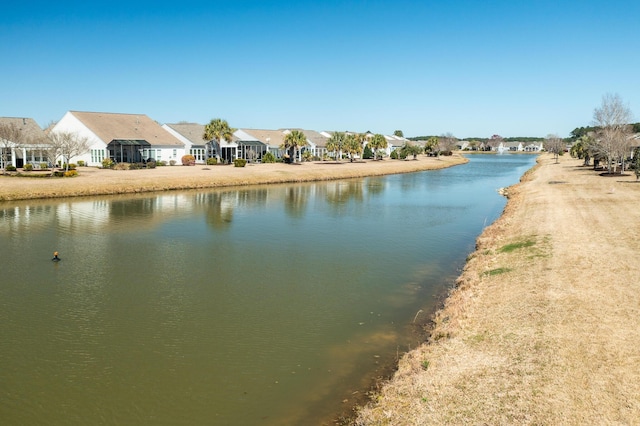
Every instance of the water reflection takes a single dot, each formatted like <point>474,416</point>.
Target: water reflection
<point>260,305</point>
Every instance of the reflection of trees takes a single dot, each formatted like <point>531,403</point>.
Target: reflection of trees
<point>340,192</point>
<point>133,207</point>
<point>296,200</point>
<point>253,197</point>
<point>375,186</point>
<point>219,208</point>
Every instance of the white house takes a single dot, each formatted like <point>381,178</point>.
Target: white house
<point>127,138</point>
<point>30,148</point>
<point>191,135</point>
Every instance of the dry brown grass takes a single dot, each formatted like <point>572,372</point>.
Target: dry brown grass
<point>545,331</point>
<point>93,181</point>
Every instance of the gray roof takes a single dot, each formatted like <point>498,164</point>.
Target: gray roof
<point>29,129</point>
<point>191,131</point>
<point>194,132</point>
<point>114,126</point>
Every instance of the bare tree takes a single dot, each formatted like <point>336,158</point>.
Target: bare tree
<point>447,143</point>
<point>66,145</point>
<point>612,120</point>
<point>494,142</point>
<point>555,145</point>
<point>10,137</point>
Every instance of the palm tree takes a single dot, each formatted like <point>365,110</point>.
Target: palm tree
<point>352,145</point>
<point>582,149</point>
<point>216,131</point>
<point>377,142</point>
<point>336,143</point>
<point>431,146</point>
<point>293,141</point>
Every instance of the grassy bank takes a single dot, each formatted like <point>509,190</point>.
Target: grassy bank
<point>542,327</point>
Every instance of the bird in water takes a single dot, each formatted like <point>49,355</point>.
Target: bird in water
<point>55,257</point>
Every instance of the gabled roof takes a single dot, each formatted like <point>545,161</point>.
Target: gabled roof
<point>191,131</point>
<point>31,132</point>
<point>114,126</point>
<point>268,137</point>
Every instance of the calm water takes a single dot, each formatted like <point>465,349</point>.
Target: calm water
<point>266,305</point>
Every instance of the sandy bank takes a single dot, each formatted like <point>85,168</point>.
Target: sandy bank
<point>93,181</point>
<point>543,327</point>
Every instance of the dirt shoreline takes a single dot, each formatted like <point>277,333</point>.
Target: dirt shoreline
<point>542,327</point>
<point>94,181</point>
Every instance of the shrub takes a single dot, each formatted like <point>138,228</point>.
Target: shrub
<point>367,154</point>
<point>171,162</point>
<point>10,168</point>
<point>394,155</point>
<point>107,163</point>
<point>58,173</point>
<point>81,163</point>
<point>188,160</point>
<point>268,157</point>
<point>136,166</point>
<point>44,166</point>
<point>212,161</point>
<point>164,163</point>
<point>121,166</point>
<point>70,173</point>
<point>151,164</point>
<point>239,162</point>
<point>28,167</point>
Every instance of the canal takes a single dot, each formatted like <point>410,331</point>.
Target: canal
<point>260,305</point>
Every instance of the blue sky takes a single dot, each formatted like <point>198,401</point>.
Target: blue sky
<point>471,68</point>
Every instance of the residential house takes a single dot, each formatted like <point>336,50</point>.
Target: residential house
<point>127,138</point>
<point>191,135</point>
<point>510,146</point>
<point>31,148</point>
<point>316,143</point>
<point>272,139</point>
<point>534,147</point>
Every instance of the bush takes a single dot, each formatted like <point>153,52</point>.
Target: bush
<point>151,164</point>
<point>268,157</point>
<point>121,166</point>
<point>188,160</point>
<point>107,163</point>
<point>239,162</point>
<point>44,166</point>
<point>58,173</point>
<point>10,168</point>
<point>28,167</point>
<point>212,161</point>
<point>81,163</point>
<point>70,173</point>
<point>367,154</point>
<point>171,163</point>
<point>164,163</point>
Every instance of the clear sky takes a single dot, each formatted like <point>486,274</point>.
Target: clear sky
<point>471,68</point>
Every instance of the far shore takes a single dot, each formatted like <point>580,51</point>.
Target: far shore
<point>96,181</point>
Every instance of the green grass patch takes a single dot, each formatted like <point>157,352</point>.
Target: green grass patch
<point>497,271</point>
<point>515,246</point>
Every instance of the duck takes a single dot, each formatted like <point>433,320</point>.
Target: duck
<point>55,257</point>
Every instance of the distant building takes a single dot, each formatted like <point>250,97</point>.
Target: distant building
<point>29,149</point>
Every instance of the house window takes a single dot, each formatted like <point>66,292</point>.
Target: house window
<point>198,153</point>
<point>97,155</point>
<point>175,153</point>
